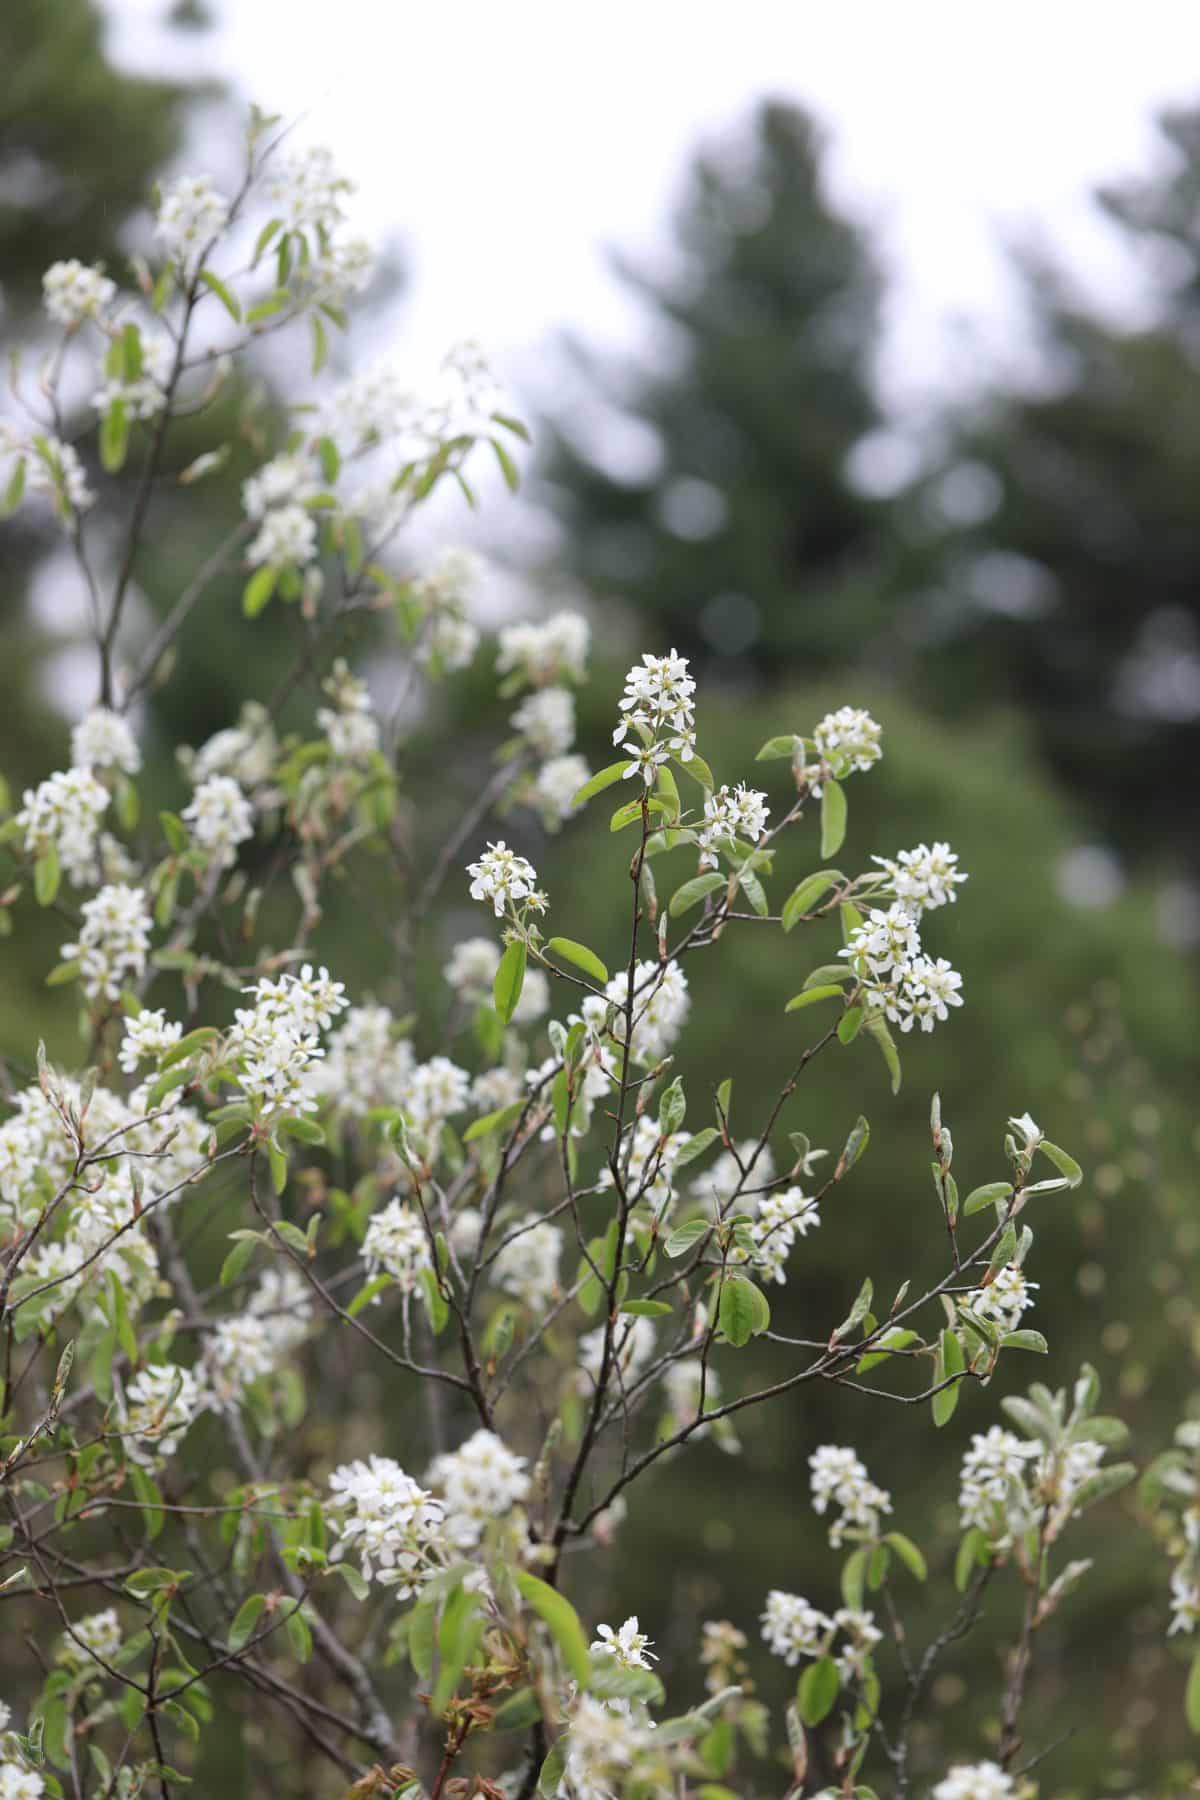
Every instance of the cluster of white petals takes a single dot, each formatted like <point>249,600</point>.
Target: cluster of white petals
<point>846,739</point>
<point>545,720</point>
<point>633,1346</point>
<point>629,1645</point>
<point>397,1244</point>
<point>503,878</point>
<point>48,467</point>
<point>366,1063</point>
<point>657,708</point>
<point>289,479</point>
<point>779,1219</point>
<point>147,1035</point>
<point>839,1478</point>
<point>792,1628</point>
<point>740,813</point>
<point>471,971</point>
<point>96,1636</point>
<point>526,1265</point>
<point>391,1524</point>
<point>660,1008</point>
<point>479,1481</point>
<point>349,724</point>
<point>1009,1486</point>
<point>191,213</point>
<point>446,590</point>
<point>143,395</point>
<point>1005,1299</point>
<point>221,818</point>
<point>276,1040</point>
<point>555,786</point>
<point>975,1781</point>
<point>554,651</point>
<point>72,292</point>
<point>923,878</point>
<point>287,538</point>
<point>304,187</point>
<point>113,942</point>
<point>102,740</point>
<point>899,980</point>
<point>63,814</point>
<point>158,1406</point>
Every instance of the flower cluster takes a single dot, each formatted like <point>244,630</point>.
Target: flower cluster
<point>113,942</point>
<point>481,1480</point>
<point>839,1478</point>
<point>103,740</point>
<point>287,480</point>
<point>502,878</point>
<point>779,1220</point>
<point>660,1008</point>
<point>844,740</point>
<point>349,724</point>
<point>276,1041</point>
<point>63,814</point>
<point>554,651</point>
<point>471,971</point>
<point>391,1524</point>
<point>73,292</point>
<point>897,977</point>
<point>792,1628</point>
<point>191,213</point>
<point>221,818</point>
<point>147,1034</point>
<point>526,1264</point>
<point>446,591</point>
<point>142,395</point>
<point>923,878</point>
<point>545,720</point>
<point>728,816</point>
<point>1010,1486</point>
<point>1005,1299</point>
<point>366,1063</point>
<point>975,1781</point>
<point>96,1636</point>
<point>397,1244</point>
<point>657,706</point>
<point>305,188</point>
<point>287,539</point>
<point>159,1405</point>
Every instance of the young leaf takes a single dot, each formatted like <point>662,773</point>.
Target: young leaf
<point>1066,1165</point>
<point>580,955</point>
<point>810,997</point>
<point>216,286</point>
<point>740,1313</point>
<point>818,1690</point>
<point>833,817</point>
<point>775,748</point>
<point>692,892</point>
<point>563,1621</point>
<point>803,898</point>
<point>46,876</point>
<point>684,1236</point>
<point>598,783</point>
<point>949,1361</point>
<point>510,979</point>
<point>245,1620</point>
<point>983,1196</point>
<point>908,1553</point>
<point>850,1024</point>
<point>258,591</point>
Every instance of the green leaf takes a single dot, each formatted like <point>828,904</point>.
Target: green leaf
<point>908,1553</point>
<point>833,817</point>
<point>899,1337</point>
<point>46,876</point>
<point>811,996</point>
<point>818,1690</point>
<point>973,1553</point>
<point>258,591</point>
<point>684,1236</point>
<point>753,889</point>
<point>858,1312</point>
<point>246,1619</point>
<point>777,747</point>
<point>237,1260</point>
<point>518,1711</point>
<point>580,955</point>
<point>610,1680</point>
<point>672,1108</point>
<point>216,286</point>
<point>878,1032</point>
<point>854,1578</point>
<point>692,892</point>
<point>299,1635</point>
<point>1102,1484</point>
<point>14,490</point>
<point>739,1313</point>
<point>114,437</point>
<point>646,1309</point>
<point>508,467</point>
<point>1025,1340</point>
<point>435,1301</point>
<point>856,1143</point>
<point>62,973</point>
<point>949,1361</point>
<point>1066,1165</point>
<point>1191,1704</point>
<point>493,1121</point>
<point>803,898</point>
<point>696,1145</point>
<point>597,783</point>
<point>698,769</point>
<point>320,342</point>
<point>850,1024</point>
<point>153,1516</point>
<point>458,1634</point>
<point>558,1613</point>
<point>983,1196</point>
<point>277,1160</point>
<point>510,979</point>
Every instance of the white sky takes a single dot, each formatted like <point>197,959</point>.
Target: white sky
<point>508,146</point>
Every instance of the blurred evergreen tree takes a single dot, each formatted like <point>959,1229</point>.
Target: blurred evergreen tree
<point>749,543</point>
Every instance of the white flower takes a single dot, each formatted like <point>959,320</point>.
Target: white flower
<point>113,942</point>
<point>350,726</point>
<point>239,1351</point>
<point>481,1480</point>
<point>1185,1600</point>
<point>554,789</point>
<point>780,1217</point>
<point>527,1264</point>
<point>99,1634</point>
<point>923,878</point>
<point>992,1478</point>
<point>190,215</point>
<point>1004,1299</point>
<point>975,1781</point>
<point>283,1303</point>
<point>629,1646</point>
<point>660,1007</point>
<point>287,537</point>
<point>437,1091</point>
<point>366,1065</point>
<point>849,735</point>
<point>73,292</point>
<point>546,720</point>
<point>276,1041</point>
<point>20,1784</point>
<point>897,977</point>
<point>839,1477</point>
<point>288,479</point>
<point>142,396</point>
<point>64,814</point>
<point>550,652</point>
<point>246,751</point>
<point>221,818</point>
<point>147,1034</point>
<point>682,1380</point>
<point>103,740</point>
<point>304,188</point>
<point>396,1244</point>
<point>452,580</point>
<point>602,1747</point>
<point>392,1524</point>
<point>657,706</point>
<point>159,1405</point>
<point>448,643</point>
<point>864,1634</point>
<point>742,813</point>
<point>725,1178</point>
<point>792,1628</point>
<point>502,877</point>
<point>633,1344</point>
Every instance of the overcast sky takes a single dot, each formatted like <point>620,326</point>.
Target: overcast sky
<point>508,146</point>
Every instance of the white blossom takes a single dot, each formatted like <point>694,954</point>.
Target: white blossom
<point>365,1065</point>
<point>396,1244</point>
<point>304,187</point>
<point>191,213</point>
<point>1004,1299</point>
<point>1185,1600</point>
<point>660,1007</point>
<point>741,813</point>
<point>73,292</point>
<point>103,740</point>
<point>350,725</point>
<point>289,479</point>
<point>98,1635</point>
<point>113,941</point>
<point>286,538</point>
<point>481,1480</point>
<point>437,1090</point>
<point>158,1406</point>
<point>557,782</point>
<point>553,651</point>
<point>147,1034</point>
<point>792,1628</point>
<point>853,1657</point>
<point>526,1265</point>
<point>633,1345</point>
<point>628,1645</point>
<point>657,707</point>
<point>501,877</point>
<point>238,1351</point>
<point>897,977</point>
<point>221,818</point>
<point>546,720</point>
<point>838,1477</point>
<point>394,1526</point>
<point>975,1781</point>
<point>849,736</point>
<point>143,395</point>
<point>63,813</point>
<point>923,878</point>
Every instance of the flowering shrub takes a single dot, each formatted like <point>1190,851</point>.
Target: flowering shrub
<point>554,1251</point>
